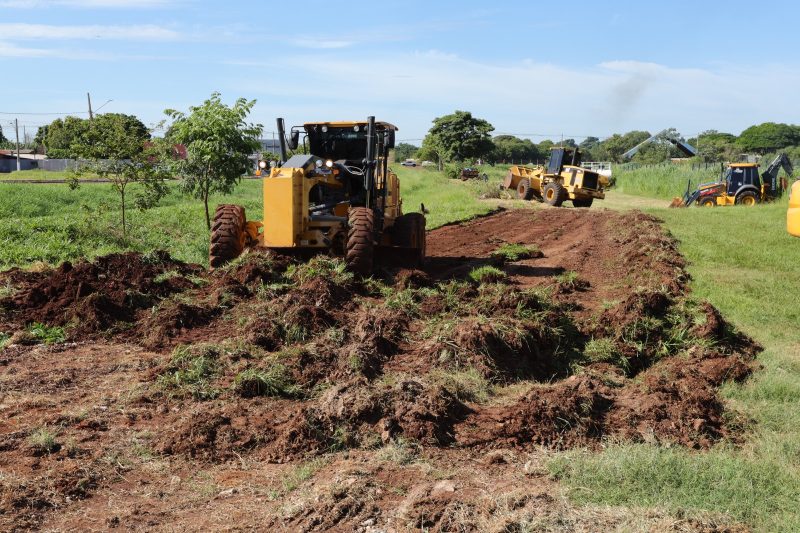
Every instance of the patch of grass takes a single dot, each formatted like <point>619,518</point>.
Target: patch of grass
<point>273,381</point>
<point>6,290</point>
<point>468,385</point>
<point>665,181</point>
<point>320,266</point>
<point>4,338</point>
<point>166,276</point>
<point>400,451</point>
<point>509,252</point>
<point>191,371</point>
<point>487,274</point>
<point>301,473</point>
<point>46,334</point>
<point>404,301</point>
<point>568,278</point>
<point>605,351</point>
<point>43,440</point>
<point>758,491</point>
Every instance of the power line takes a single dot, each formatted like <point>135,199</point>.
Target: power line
<point>66,113</point>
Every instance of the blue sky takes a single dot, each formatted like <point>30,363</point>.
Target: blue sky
<point>540,69</point>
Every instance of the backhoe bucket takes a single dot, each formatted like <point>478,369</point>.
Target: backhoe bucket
<point>677,202</point>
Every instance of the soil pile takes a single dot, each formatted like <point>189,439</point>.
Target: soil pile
<point>272,360</point>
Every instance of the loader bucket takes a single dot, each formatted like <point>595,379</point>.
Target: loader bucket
<point>677,202</point>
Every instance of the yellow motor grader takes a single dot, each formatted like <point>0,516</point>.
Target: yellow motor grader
<point>562,179</point>
<point>337,196</point>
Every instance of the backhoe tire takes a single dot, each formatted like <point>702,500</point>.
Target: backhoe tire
<point>409,232</point>
<point>585,202</point>
<point>708,202</point>
<point>227,235</point>
<point>748,198</point>
<point>524,190</point>
<point>360,247</point>
<point>553,194</point>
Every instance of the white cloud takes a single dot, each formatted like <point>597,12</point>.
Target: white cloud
<point>10,50</point>
<point>529,97</point>
<point>322,44</point>
<point>147,32</point>
<point>128,4</point>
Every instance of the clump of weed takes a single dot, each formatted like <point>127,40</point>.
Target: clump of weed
<point>166,276</point>
<point>191,370</point>
<point>320,266</point>
<point>605,351</point>
<point>400,451</point>
<point>510,252</point>
<point>468,385</point>
<point>403,301</point>
<point>273,381</point>
<point>43,440</point>
<point>46,334</point>
<point>301,473</point>
<point>569,281</point>
<point>487,274</point>
<point>4,338</point>
<point>6,290</point>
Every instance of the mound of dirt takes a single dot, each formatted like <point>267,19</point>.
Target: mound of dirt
<point>94,296</point>
<point>275,360</point>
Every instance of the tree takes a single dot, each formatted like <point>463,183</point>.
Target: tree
<point>107,136</point>
<point>769,136</point>
<point>458,137</point>
<point>218,142</point>
<point>617,144</point>
<point>404,151</point>
<point>2,137</point>
<point>39,141</point>
<point>511,148</point>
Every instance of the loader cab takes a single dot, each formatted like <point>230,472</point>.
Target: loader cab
<point>561,156</point>
<point>741,175</point>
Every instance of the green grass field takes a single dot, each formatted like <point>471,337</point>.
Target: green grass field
<point>741,260</point>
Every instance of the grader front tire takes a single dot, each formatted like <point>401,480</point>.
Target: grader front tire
<point>360,248</point>
<point>227,235</point>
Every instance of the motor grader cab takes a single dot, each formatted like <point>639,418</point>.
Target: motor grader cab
<point>337,195</point>
<point>562,179</point>
<point>741,184</point>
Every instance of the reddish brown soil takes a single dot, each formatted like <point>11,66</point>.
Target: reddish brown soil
<point>382,398</point>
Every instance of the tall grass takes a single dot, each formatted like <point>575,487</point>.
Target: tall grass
<point>665,181</point>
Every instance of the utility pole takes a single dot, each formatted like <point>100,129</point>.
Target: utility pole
<point>16,129</point>
<point>89,99</point>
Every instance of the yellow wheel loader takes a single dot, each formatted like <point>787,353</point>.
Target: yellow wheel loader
<point>338,196</point>
<point>741,184</point>
<point>562,179</point>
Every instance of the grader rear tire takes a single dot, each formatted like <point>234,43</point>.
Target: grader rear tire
<point>227,235</point>
<point>409,232</point>
<point>360,247</point>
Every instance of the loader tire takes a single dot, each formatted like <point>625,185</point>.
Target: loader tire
<point>524,190</point>
<point>409,232</point>
<point>227,235</point>
<point>553,194</point>
<point>708,202</point>
<point>749,198</point>
<point>360,246</point>
<point>586,202</point>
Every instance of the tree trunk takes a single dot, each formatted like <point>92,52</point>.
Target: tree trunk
<point>124,228</point>
<point>208,216</point>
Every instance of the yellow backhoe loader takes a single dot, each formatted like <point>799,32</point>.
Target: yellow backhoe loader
<point>339,196</point>
<point>741,184</point>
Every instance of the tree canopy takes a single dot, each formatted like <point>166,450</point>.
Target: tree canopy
<point>769,136</point>
<point>458,137</point>
<point>511,148</point>
<point>404,151</point>
<point>107,136</point>
<point>218,141</point>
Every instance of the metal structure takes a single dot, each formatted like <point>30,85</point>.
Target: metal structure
<point>666,135</point>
